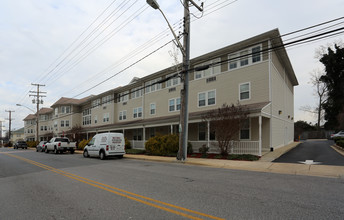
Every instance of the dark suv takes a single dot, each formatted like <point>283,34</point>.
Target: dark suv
<point>20,144</point>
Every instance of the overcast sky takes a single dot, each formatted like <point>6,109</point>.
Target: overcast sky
<point>49,42</point>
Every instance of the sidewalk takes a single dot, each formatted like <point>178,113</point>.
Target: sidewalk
<point>263,165</point>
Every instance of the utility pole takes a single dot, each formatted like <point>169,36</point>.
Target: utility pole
<point>38,100</point>
<point>184,93</point>
<point>9,123</point>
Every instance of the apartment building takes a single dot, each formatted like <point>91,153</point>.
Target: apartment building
<point>247,72</point>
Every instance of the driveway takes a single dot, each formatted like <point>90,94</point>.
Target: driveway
<point>313,152</point>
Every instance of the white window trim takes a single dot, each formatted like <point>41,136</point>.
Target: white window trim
<point>150,108</point>
<point>249,139</point>
<point>124,96</point>
<point>172,80</point>
<point>157,86</point>
<point>137,110</point>
<point>249,57</point>
<point>211,68</point>
<point>206,98</point>
<point>106,117</point>
<point>137,89</point>
<point>124,112</point>
<point>175,104</point>
<point>249,91</point>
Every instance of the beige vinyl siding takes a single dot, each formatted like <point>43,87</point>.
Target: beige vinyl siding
<point>227,86</point>
<point>161,99</point>
<point>129,107</point>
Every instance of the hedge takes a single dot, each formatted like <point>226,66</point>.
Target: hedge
<point>340,143</point>
<point>164,145</point>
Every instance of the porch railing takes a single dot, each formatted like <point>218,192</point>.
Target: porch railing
<point>240,147</point>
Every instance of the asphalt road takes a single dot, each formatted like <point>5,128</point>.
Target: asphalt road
<point>48,186</point>
<point>318,151</point>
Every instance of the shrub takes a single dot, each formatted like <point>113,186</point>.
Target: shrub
<point>248,157</point>
<point>127,144</point>
<point>83,143</point>
<point>32,144</point>
<point>340,143</point>
<point>160,145</point>
<point>336,139</point>
<point>135,151</point>
<point>204,150</point>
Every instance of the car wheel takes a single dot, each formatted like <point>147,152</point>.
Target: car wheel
<point>120,156</point>
<point>36,149</point>
<point>102,155</point>
<point>85,153</point>
<point>55,151</point>
<point>72,151</point>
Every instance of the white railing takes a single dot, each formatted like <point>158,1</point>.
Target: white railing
<point>239,147</point>
<point>137,144</point>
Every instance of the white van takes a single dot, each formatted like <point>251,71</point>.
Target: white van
<point>105,145</point>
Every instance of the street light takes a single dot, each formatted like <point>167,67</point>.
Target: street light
<point>36,118</point>
<point>26,107</point>
<point>154,4</point>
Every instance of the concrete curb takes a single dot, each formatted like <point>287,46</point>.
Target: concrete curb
<point>257,166</point>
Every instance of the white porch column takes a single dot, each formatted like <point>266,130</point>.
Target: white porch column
<point>144,134</point>
<point>171,128</point>
<point>208,133</point>
<point>260,135</point>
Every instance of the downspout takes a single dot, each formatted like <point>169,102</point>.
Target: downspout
<point>270,94</point>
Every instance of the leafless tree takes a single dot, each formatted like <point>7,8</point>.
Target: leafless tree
<point>226,123</point>
<point>320,92</point>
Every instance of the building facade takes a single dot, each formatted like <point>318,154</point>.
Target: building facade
<point>249,72</point>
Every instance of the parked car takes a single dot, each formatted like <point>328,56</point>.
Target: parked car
<point>20,144</point>
<point>40,146</point>
<point>339,134</point>
<point>105,145</point>
<point>59,145</point>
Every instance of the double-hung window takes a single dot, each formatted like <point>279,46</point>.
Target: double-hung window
<point>233,62</point>
<point>123,96</point>
<point>137,112</point>
<point>244,58</point>
<point>174,105</point>
<point>244,91</point>
<point>152,108</point>
<point>206,98</point>
<point>62,123</point>
<point>256,54</point>
<point>106,117</point>
<point>172,82</point>
<point>136,93</point>
<point>214,68</point>
<point>122,115</point>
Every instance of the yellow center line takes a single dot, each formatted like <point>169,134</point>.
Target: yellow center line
<point>111,189</point>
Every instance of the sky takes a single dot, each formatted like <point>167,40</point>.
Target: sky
<point>70,46</point>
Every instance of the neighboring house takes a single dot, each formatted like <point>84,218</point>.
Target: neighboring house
<point>44,125</point>
<point>263,81</point>
<point>17,135</point>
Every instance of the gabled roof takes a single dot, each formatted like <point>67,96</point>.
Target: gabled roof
<point>43,111</point>
<point>29,117</point>
<point>18,131</point>
<point>71,101</point>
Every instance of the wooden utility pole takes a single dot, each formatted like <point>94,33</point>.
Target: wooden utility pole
<point>38,100</point>
<point>10,119</point>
